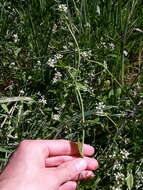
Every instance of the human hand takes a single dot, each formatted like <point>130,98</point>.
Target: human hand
<point>47,165</point>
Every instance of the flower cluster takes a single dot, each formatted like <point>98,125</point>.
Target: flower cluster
<point>57,77</point>
<point>58,109</point>
<point>53,61</point>
<point>15,36</point>
<point>63,8</point>
<point>100,107</point>
<point>86,54</point>
<point>42,99</point>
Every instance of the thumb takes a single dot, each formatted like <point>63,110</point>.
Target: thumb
<point>70,170</point>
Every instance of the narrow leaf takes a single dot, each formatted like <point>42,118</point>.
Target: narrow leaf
<point>130,181</point>
<point>4,106</point>
<point>4,150</point>
<point>80,144</point>
<point>15,99</point>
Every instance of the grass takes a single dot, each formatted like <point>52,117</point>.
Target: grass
<point>73,66</point>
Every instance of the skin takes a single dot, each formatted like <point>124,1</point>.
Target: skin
<point>47,165</point>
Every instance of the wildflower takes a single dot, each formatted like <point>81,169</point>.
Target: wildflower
<point>63,106</point>
<point>29,77</point>
<point>104,44</point>
<point>58,56</point>
<point>113,155</point>
<point>15,38</point>
<point>86,54</point>
<point>21,92</point>
<point>87,25</point>
<point>100,106</point>
<point>51,62</point>
<point>56,108</point>
<point>98,9</point>
<point>65,47</point>
<point>38,63</point>
<point>39,93</point>
<point>13,64</point>
<point>124,154</point>
<point>70,44</point>
<point>119,176</point>
<point>117,166</point>
<point>63,8</point>
<point>56,117</point>
<point>125,53</point>
<point>54,28</point>
<point>126,140</point>
<point>57,77</point>
<point>43,100</point>
<point>112,46</point>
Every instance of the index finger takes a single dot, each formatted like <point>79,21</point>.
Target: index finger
<point>65,147</point>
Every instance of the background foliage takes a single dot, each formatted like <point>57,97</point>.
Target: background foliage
<point>80,64</point>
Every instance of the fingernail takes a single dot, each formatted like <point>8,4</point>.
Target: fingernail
<point>80,164</point>
<point>89,174</point>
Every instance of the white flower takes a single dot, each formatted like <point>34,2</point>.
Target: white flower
<point>104,44</point>
<point>119,176</point>
<point>43,100</point>
<point>57,77</point>
<point>86,54</point>
<point>39,93</point>
<point>56,117</point>
<point>13,64</point>
<point>117,166</point>
<point>63,7</point>
<point>56,108</point>
<point>87,25</point>
<point>112,46</point>
<point>51,62</point>
<point>21,92</point>
<point>54,28</point>
<point>98,9</point>
<point>70,44</point>
<point>124,154</point>
<point>113,155</point>
<point>125,53</point>
<point>15,38</point>
<point>63,106</point>
<point>65,47</point>
<point>100,106</point>
<point>38,63</point>
<point>58,56</point>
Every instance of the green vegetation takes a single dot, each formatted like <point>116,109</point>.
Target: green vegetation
<point>68,66</point>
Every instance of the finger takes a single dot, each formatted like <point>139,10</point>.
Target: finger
<point>84,175</point>
<point>58,160</point>
<point>69,170</point>
<point>92,163</point>
<point>59,147</point>
<point>65,147</point>
<point>70,185</point>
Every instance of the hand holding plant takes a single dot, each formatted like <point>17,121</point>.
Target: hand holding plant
<point>47,165</point>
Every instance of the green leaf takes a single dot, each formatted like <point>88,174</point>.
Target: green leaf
<point>118,91</point>
<point>4,150</point>
<point>111,93</point>
<point>16,51</point>
<point>81,86</point>
<point>15,99</point>
<point>130,181</point>
<point>4,106</point>
<point>80,145</point>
